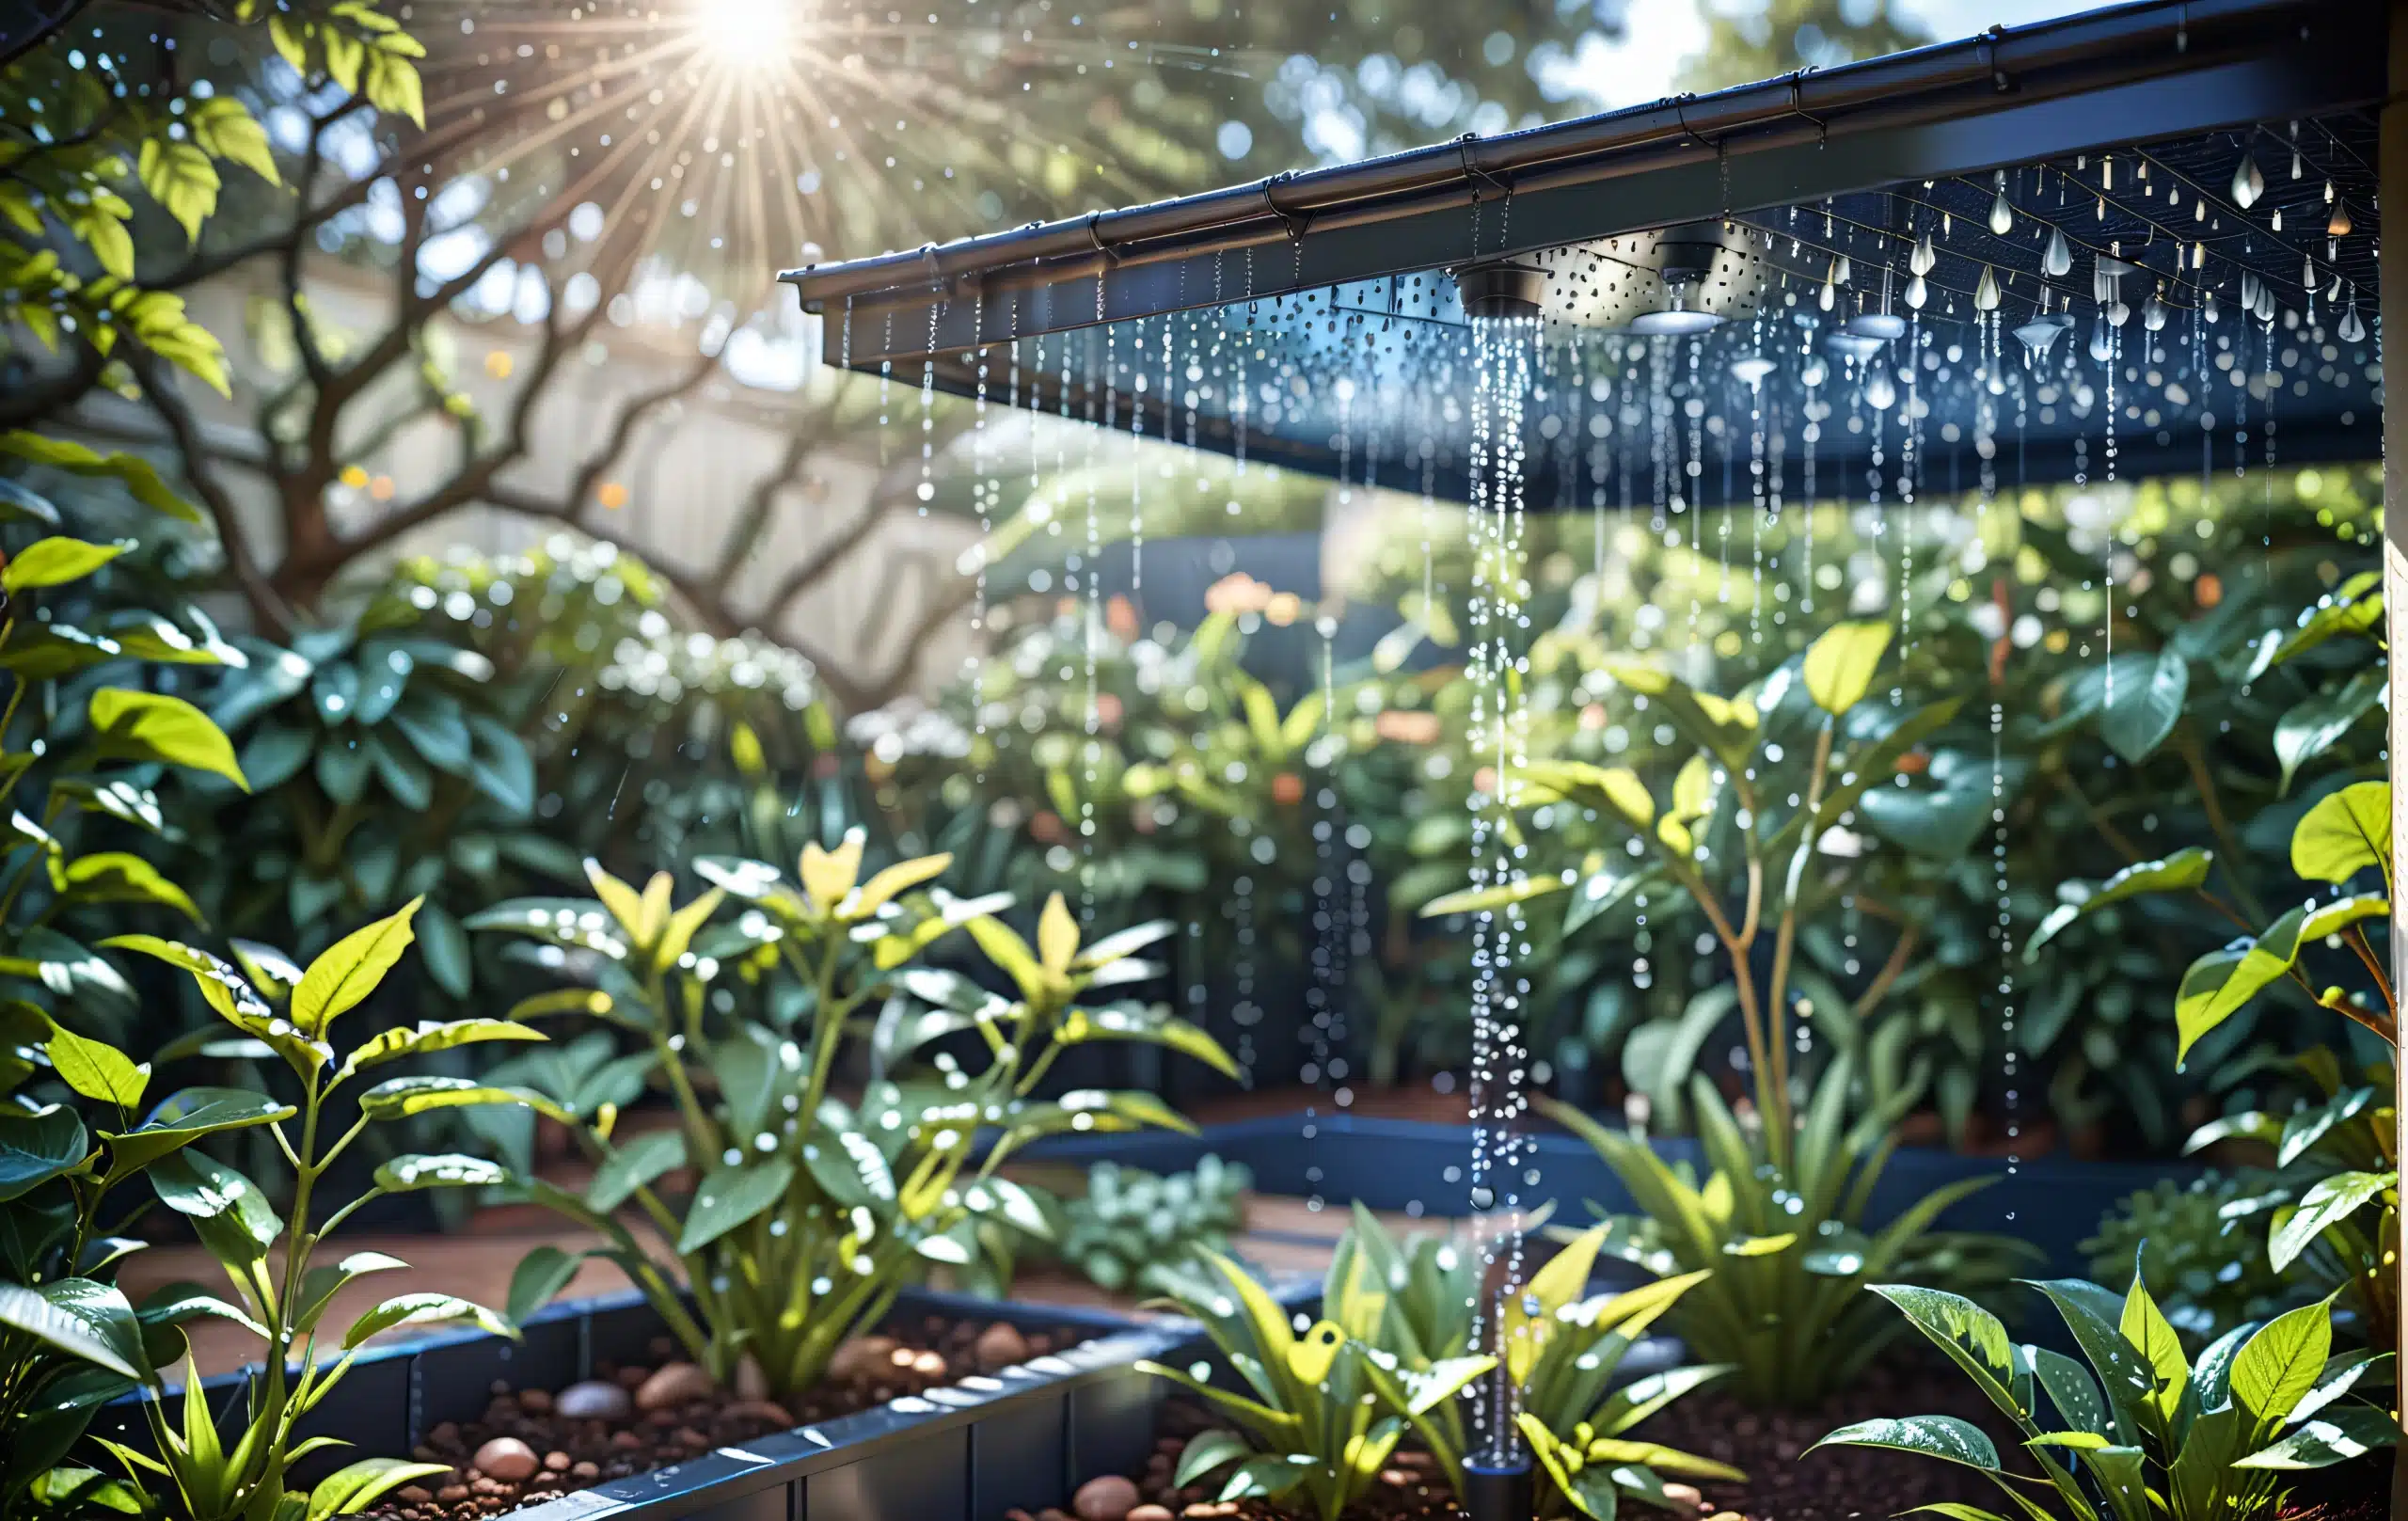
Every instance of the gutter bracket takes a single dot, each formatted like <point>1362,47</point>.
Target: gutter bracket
<point>1296,223</point>
<point>1476,177</point>
<point>1105,250</point>
<point>1986,48</point>
<point>1798,108</point>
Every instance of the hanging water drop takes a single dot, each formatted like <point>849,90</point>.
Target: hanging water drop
<point>1880,392</point>
<point>1924,258</point>
<point>1985,294</point>
<point>1842,271</point>
<point>2153,313</point>
<point>2352,330</point>
<point>2248,184</point>
<point>2102,342</point>
<point>2339,226</point>
<point>2278,219</point>
<point>1917,292</point>
<point>2040,335</point>
<point>2056,261</point>
<point>2002,214</point>
<point>2208,309</point>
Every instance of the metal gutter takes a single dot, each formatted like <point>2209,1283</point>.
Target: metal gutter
<point>2092,52</point>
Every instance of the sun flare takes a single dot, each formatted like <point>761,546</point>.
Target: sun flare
<point>752,34</point>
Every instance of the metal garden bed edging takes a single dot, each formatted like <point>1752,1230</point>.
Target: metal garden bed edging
<point>1026,1436</point>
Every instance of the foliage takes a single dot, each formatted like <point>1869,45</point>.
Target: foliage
<point>2155,1434</point>
<point>1132,1229</point>
<point>2200,1257</point>
<point>1327,1406</point>
<point>281,1294</point>
<point>1784,1237</point>
<point>808,1213</point>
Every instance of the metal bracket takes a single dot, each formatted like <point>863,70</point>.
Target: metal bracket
<point>1110,254</point>
<point>1297,223</point>
<point>1798,108</point>
<point>1476,176</point>
<point>1985,49</point>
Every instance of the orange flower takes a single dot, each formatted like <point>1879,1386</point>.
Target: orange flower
<point>1406,726</point>
<point>1120,616</point>
<point>1288,788</point>
<point>1484,780</point>
<point>1046,826</point>
<point>2209,589</point>
<point>1236,593</point>
<point>1914,763</point>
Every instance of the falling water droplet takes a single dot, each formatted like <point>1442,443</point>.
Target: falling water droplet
<point>2056,261</point>
<point>2153,313</point>
<point>1842,271</point>
<point>1924,258</point>
<point>2208,309</point>
<point>2102,342</point>
<point>1985,294</point>
<point>1880,392</point>
<point>1917,292</point>
<point>2248,183</point>
<point>2002,215</point>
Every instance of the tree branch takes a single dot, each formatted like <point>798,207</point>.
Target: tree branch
<point>159,388</point>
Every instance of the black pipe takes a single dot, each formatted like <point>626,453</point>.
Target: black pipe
<point>2114,45</point>
<point>1497,1491</point>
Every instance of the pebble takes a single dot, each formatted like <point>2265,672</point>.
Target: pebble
<point>452,1494</point>
<point>594,1400</point>
<point>588,1470</point>
<point>556,1462</point>
<point>750,1382</point>
<point>535,1401</point>
<point>1000,1346</point>
<point>1108,1499</point>
<point>931,1365</point>
<point>768,1410</point>
<point>506,1458</point>
<point>675,1385</point>
<point>862,1357</point>
<point>1688,1495</point>
<point>1149,1512</point>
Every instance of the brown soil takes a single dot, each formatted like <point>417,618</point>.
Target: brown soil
<point>575,1455</point>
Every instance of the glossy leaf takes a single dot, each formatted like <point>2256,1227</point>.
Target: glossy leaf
<point>152,726</point>
<point>2345,833</point>
<point>83,1319</point>
<point>38,1146</point>
<point>2333,1198</point>
<point>350,969</point>
<point>1946,1438</point>
<point>420,1309</point>
<point>400,1097</point>
<point>410,1173</point>
<point>56,561</point>
<point>728,1196</point>
<point>1840,663</point>
<point>97,1070</point>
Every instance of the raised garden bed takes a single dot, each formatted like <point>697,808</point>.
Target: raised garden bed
<point>1024,1436</point>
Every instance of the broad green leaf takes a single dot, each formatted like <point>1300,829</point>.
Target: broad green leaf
<point>350,969</point>
<point>2344,834</point>
<point>56,561</point>
<point>408,1174</point>
<point>1840,664</point>
<point>2182,871</point>
<point>83,1319</point>
<point>185,1117</point>
<point>1600,893</point>
<point>152,726</point>
<point>2314,725</point>
<point>2340,1435</point>
<point>1932,1436</point>
<point>355,1488</point>
<point>232,1216</point>
<point>121,877</point>
<point>638,1161</point>
<point>138,475</point>
<point>38,1146</point>
<point>432,1035</point>
<point>1211,1450</point>
<point>398,1098</point>
<point>1483,899</point>
<point>180,179</point>
<point>97,1070</point>
<point>1152,1024</point>
<point>2333,1198</point>
<point>2221,983</point>
<point>728,1196</point>
<point>2135,718</point>
<point>420,1308</point>
<point>541,1274</point>
<point>2277,1367</point>
<point>225,128</point>
<point>2149,1335</point>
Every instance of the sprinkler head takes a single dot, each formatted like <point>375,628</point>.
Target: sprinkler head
<point>1504,288</point>
<point>1498,1491</point>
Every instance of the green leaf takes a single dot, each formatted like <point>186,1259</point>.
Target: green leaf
<point>355,1488</point>
<point>1840,664</point>
<point>2277,1367</point>
<point>2135,720</point>
<point>1932,1436</point>
<point>2344,834</point>
<point>2316,725</point>
<point>138,475</point>
<point>152,726</point>
<point>38,1146</point>
<point>2221,983</point>
<point>1483,899</point>
<point>1211,1450</point>
<point>80,1318</point>
<point>234,1219</point>
<point>728,1196</point>
<point>419,1310</point>
<point>411,1173</point>
<point>20,503</point>
<point>1602,891</point>
<point>638,1161</point>
<point>225,128</point>
<point>185,1117</point>
<point>2182,871</point>
<point>541,1274</point>
<point>2338,1436</point>
<point>432,1035</point>
<point>350,970</point>
<point>1152,1024</point>
<point>397,1097</point>
<point>97,1070</point>
<point>121,877</point>
<point>2334,1200</point>
<point>445,945</point>
<point>180,179</point>
<point>56,561</point>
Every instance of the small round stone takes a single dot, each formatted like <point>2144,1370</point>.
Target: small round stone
<point>1150,1513</point>
<point>675,1385</point>
<point>1000,1346</point>
<point>594,1400</point>
<point>508,1459</point>
<point>1108,1499</point>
